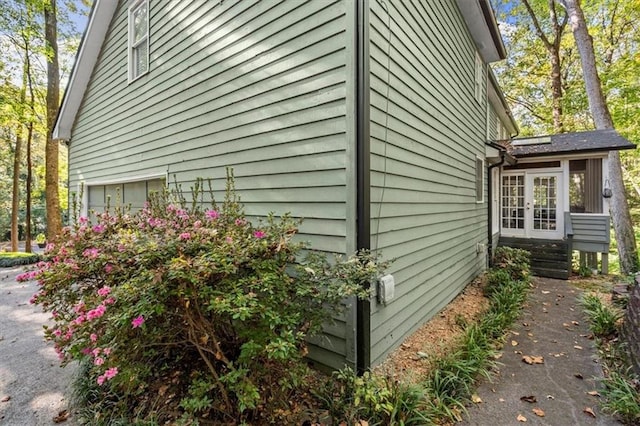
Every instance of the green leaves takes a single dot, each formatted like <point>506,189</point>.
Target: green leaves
<point>204,292</point>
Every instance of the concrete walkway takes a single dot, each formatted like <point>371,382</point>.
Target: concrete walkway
<point>555,389</point>
<point>33,387</point>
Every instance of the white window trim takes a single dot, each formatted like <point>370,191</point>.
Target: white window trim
<point>130,45</point>
<point>478,77</point>
<point>84,185</point>
<point>482,178</point>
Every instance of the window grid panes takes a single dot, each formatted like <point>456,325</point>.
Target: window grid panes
<point>545,199</point>
<point>139,39</point>
<point>513,202</point>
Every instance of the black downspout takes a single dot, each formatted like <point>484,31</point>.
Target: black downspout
<point>363,187</point>
<point>490,206</point>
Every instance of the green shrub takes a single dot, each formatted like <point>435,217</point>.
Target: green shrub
<point>603,319</point>
<point>622,397</point>
<point>515,261</point>
<point>376,399</point>
<point>11,259</point>
<point>495,279</point>
<point>197,303</point>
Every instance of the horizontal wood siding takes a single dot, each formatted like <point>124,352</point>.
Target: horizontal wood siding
<point>591,232</point>
<point>427,129</point>
<point>258,86</point>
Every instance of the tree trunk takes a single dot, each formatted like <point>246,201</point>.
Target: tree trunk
<point>17,161</point>
<point>27,218</point>
<point>52,196</point>
<point>620,215</point>
<point>15,198</point>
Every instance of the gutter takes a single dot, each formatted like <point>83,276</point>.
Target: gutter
<point>503,160</point>
<point>363,185</point>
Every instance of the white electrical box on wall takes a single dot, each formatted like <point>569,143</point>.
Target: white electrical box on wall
<point>386,289</point>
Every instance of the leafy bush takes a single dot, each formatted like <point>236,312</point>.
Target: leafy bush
<point>603,319</point>
<point>374,399</point>
<point>11,259</point>
<point>496,279</point>
<point>195,304</point>
<point>515,261</point>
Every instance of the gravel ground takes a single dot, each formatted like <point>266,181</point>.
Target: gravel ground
<point>33,387</point>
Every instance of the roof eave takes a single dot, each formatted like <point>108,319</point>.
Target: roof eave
<point>86,58</point>
<point>483,27</point>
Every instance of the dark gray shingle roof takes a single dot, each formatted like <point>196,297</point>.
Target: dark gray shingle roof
<point>568,143</point>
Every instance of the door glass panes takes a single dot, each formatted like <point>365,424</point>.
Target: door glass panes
<point>545,199</point>
<point>513,202</point>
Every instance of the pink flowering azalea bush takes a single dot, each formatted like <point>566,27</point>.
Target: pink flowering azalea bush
<point>194,305</point>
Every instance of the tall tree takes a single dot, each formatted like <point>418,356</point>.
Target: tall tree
<point>54,222</point>
<point>552,45</point>
<point>622,223</point>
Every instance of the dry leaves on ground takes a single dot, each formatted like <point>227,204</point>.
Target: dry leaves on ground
<point>531,359</point>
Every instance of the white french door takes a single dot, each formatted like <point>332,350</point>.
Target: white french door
<point>531,205</point>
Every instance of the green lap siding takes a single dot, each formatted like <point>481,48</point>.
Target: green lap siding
<point>263,87</point>
<point>427,128</point>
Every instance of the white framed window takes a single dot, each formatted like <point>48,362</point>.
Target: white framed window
<point>138,39</point>
<point>479,180</point>
<point>479,78</point>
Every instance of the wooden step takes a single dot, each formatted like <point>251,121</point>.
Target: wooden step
<point>549,258</point>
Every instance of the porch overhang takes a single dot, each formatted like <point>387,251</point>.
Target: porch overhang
<point>569,143</point>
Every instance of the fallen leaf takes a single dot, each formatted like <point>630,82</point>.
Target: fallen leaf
<point>61,417</point>
<point>530,334</point>
<point>521,418</point>
<point>578,347</point>
<point>545,292</point>
<point>594,393</point>
<point>476,399</point>
<point>566,324</point>
<point>551,397</point>
<point>589,411</point>
<point>501,399</point>
<point>525,324</point>
<point>538,412</point>
<point>497,356</point>
<point>162,390</point>
<point>575,323</point>
<point>532,359</point>
<point>363,423</point>
<point>515,333</point>
<point>422,355</point>
<point>514,343</point>
<point>578,376</point>
<point>5,398</point>
<point>531,399</point>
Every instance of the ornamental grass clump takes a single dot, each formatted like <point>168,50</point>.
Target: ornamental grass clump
<point>185,312</point>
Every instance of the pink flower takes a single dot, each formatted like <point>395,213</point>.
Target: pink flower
<point>93,337</point>
<point>138,321</point>
<point>83,219</point>
<point>98,361</point>
<point>212,214</point>
<point>57,332</point>
<point>91,253</point>
<point>240,222</point>
<point>106,351</point>
<point>79,308</point>
<point>80,319</point>
<point>229,239</point>
<point>101,380</point>
<point>108,268</point>
<point>197,224</point>
<point>86,351</point>
<point>111,373</point>
<point>259,234</point>
<point>109,301</point>
<point>104,291</point>
<point>185,236</point>
<point>96,313</point>
<point>98,229</point>
<point>96,352</point>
